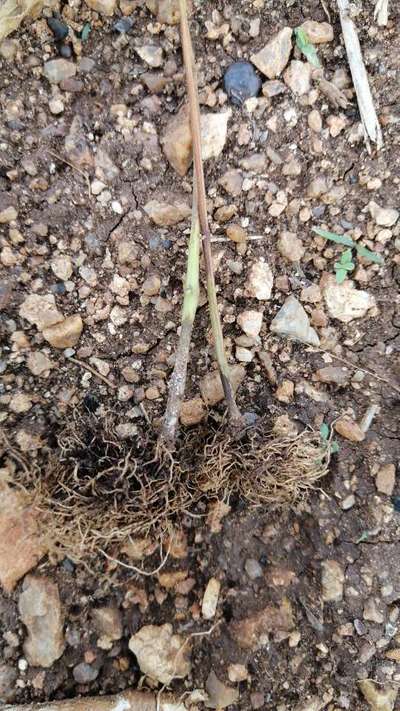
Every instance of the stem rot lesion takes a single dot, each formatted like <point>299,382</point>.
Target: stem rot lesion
<point>199,225</point>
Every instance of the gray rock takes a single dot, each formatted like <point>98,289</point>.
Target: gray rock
<point>55,70</point>
<point>253,568</point>
<point>293,322</point>
<point>84,673</point>
<point>40,610</point>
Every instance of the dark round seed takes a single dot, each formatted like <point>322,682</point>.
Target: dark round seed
<point>241,82</point>
<point>65,50</point>
<point>59,29</point>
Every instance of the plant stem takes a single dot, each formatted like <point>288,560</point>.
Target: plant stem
<point>194,111</point>
<point>189,308</point>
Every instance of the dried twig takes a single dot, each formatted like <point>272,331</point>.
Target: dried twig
<point>345,361</point>
<point>74,167</point>
<point>381,13</point>
<point>95,372</point>
<point>194,112</point>
<point>369,118</point>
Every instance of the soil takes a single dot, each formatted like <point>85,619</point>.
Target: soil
<point>347,520</point>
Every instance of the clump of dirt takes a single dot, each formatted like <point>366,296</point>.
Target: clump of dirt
<point>96,490</point>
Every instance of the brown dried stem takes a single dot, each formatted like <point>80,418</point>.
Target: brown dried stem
<point>194,112</point>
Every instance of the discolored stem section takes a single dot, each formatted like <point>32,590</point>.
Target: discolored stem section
<point>190,303</point>
<point>194,111</point>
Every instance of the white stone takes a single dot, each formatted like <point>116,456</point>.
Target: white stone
<point>383,216</point>
<point>210,599</point>
<point>298,77</point>
<point>61,266</point>
<point>244,355</point>
<point>260,281</point>
<point>56,106</point>
<point>346,303</point>
<point>151,54</point>
<point>104,7</point>
<point>160,653</point>
<point>250,322</point>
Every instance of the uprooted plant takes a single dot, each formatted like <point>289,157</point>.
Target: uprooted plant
<point>97,491</point>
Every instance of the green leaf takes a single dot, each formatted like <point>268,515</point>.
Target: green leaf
<point>367,254</point>
<point>307,47</point>
<point>341,275</point>
<point>335,447</point>
<point>86,30</point>
<point>324,431</point>
<point>333,237</point>
<point>345,261</point>
<point>346,257</point>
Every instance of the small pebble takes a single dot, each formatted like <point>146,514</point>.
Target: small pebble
<point>65,50</point>
<point>56,106</point>
<point>241,82</point>
<point>348,502</point>
<point>84,673</point>
<point>123,25</point>
<point>253,568</point>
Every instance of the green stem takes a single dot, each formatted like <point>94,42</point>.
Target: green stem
<point>189,308</point>
<point>194,110</point>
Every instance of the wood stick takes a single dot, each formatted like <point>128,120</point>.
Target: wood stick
<point>126,701</point>
<point>194,112</point>
<point>369,118</point>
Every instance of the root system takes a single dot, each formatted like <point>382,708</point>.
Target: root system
<point>96,491</point>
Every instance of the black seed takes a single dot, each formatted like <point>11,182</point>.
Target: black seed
<point>59,29</point>
<point>124,24</point>
<point>241,82</point>
<point>90,402</point>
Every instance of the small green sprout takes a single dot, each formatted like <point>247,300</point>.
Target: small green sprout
<point>344,265</point>
<point>326,435</point>
<point>306,47</point>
